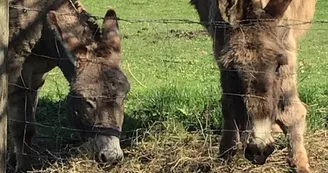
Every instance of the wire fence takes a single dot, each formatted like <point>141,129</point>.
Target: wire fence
<point>140,133</point>
<point>291,22</point>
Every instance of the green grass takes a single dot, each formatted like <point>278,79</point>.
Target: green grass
<point>179,79</point>
<point>175,85</point>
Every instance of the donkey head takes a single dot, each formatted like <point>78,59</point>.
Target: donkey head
<point>99,87</point>
<point>252,65</point>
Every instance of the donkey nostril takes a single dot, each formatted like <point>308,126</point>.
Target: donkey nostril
<point>256,155</point>
<point>268,150</point>
<point>103,158</point>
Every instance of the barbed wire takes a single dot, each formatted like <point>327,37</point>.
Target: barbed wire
<point>145,132</point>
<point>145,129</point>
<point>176,20</point>
<point>222,24</point>
<point>168,61</point>
<point>61,154</point>
<point>217,24</point>
<point>113,98</point>
<point>166,21</point>
<point>62,127</point>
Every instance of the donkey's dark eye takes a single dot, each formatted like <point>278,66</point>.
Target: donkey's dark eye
<point>90,104</point>
<point>278,69</point>
<point>281,60</point>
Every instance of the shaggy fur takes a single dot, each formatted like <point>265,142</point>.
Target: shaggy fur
<point>258,61</point>
<point>70,39</point>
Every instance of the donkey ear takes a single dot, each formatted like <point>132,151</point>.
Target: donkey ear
<point>110,30</point>
<point>52,17</point>
<point>70,41</point>
<point>67,38</point>
<point>277,8</point>
<point>231,10</point>
<point>79,6</point>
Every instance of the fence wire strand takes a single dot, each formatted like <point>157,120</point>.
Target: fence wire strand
<point>218,24</point>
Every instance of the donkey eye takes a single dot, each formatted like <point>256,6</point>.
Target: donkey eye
<point>278,69</point>
<point>90,104</point>
<point>281,60</point>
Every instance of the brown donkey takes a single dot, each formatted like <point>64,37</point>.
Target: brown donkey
<point>89,57</point>
<point>256,54</point>
<point>99,87</point>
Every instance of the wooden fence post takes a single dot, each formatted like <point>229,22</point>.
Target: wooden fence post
<point>4,37</point>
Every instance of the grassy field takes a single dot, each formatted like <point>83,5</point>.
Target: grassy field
<point>174,99</point>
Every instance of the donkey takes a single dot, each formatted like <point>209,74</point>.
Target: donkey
<point>63,34</point>
<point>256,53</point>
